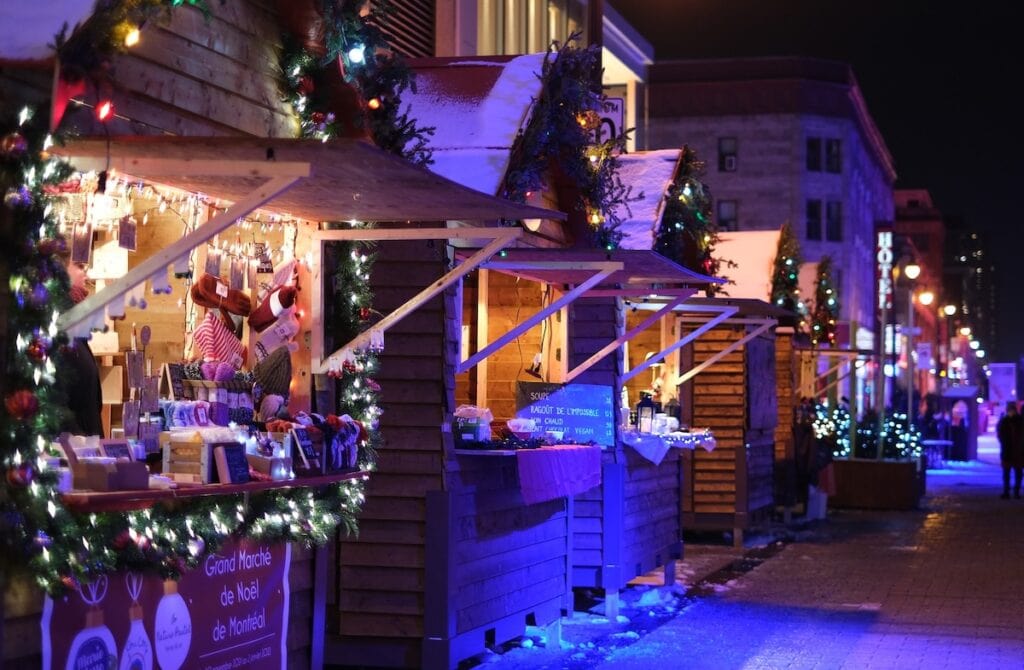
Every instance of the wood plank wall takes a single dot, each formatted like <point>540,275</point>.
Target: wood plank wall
<point>382,570</point>
<point>511,301</point>
<point>785,384</point>
<point>731,397</point>
<point>644,343</point>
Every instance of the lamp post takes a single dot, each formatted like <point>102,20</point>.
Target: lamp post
<point>948,311</point>
<point>911,271</point>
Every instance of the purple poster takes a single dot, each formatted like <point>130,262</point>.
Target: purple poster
<point>230,612</point>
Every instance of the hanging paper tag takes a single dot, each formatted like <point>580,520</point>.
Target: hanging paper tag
<point>81,242</point>
<point>237,276</point>
<point>126,229</point>
<point>222,289</point>
<point>213,262</point>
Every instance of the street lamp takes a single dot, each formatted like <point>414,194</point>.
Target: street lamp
<point>946,350</point>
<point>925,298</point>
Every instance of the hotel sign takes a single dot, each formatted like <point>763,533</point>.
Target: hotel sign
<point>884,260</point>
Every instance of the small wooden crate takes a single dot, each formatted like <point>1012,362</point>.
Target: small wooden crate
<point>186,453</point>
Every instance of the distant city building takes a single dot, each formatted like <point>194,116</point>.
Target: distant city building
<point>785,139</point>
<point>970,275</point>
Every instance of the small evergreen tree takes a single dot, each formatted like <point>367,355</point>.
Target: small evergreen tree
<point>826,306</point>
<point>786,272</point>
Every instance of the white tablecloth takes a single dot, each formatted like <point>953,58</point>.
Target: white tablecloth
<point>654,447</point>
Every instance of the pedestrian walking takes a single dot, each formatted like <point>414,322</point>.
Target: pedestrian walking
<point>1010,431</point>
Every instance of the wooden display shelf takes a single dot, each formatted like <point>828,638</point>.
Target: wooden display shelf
<point>125,501</point>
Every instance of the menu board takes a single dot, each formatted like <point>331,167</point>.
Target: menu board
<point>581,413</point>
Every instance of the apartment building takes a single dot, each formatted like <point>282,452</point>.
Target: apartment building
<point>786,139</point>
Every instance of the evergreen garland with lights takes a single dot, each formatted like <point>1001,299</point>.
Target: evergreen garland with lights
<point>62,548</point>
<point>786,272</point>
<point>687,233</point>
<point>826,306</point>
<point>356,40</point>
<point>559,135</point>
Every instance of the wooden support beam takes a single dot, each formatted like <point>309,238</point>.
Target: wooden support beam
<point>77,320</point>
<point>154,168</point>
<point>500,238</point>
<point>602,269</point>
<point>722,312</point>
<point>627,336</point>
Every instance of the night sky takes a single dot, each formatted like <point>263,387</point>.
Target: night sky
<point>940,85</point>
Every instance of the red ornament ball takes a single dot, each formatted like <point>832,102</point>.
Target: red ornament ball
<point>13,145</point>
<point>364,313</point>
<point>305,85</point>
<point>317,117</point>
<point>20,476</point>
<point>37,350</point>
<point>69,582</point>
<point>22,405</point>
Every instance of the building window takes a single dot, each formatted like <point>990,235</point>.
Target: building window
<point>814,219</point>
<point>833,156</point>
<point>814,154</point>
<point>727,150</point>
<point>834,221</point>
<point>527,26</point>
<point>727,215</point>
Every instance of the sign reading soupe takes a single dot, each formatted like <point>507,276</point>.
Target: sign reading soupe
<point>229,612</point>
<point>580,412</point>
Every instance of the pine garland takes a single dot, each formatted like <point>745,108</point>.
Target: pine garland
<point>358,39</point>
<point>687,233</point>
<point>559,135</point>
<point>826,306</point>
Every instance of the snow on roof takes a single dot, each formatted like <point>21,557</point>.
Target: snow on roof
<point>649,173</point>
<point>477,107</point>
<point>753,251</point>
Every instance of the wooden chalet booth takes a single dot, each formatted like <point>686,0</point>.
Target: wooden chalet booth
<point>630,523</point>
<point>303,182</point>
<point>720,356</point>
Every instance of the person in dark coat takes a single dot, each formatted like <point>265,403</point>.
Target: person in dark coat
<point>1010,431</point>
<point>79,374</point>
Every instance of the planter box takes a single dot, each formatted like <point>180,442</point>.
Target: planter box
<point>871,484</point>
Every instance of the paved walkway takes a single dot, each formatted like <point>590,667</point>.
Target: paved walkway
<point>940,588</point>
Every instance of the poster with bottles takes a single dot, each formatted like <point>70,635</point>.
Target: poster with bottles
<point>229,612</point>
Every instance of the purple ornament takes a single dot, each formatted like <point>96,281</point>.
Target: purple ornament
<point>18,197</point>
<point>39,297</point>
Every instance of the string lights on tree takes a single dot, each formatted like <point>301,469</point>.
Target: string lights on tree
<point>560,136</point>
<point>786,274</point>
<point>826,306</point>
<point>687,233</point>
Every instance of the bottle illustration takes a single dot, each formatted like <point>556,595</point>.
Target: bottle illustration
<point>172,630</point>
<point>93,647</point>
<point>137,653</point>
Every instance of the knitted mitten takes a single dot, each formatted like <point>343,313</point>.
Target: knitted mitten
<point>273,306</point>
<point>211,292</point>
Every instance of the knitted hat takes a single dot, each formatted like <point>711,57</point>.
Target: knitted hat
<point>279,299</point>
<point>274,373</point>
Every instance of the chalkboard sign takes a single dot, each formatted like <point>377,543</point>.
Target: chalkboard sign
<point>580,412</point>
<point>232,465</point>
<point>117,449</point>
<point>172,383</point>
<point>305,450</point>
